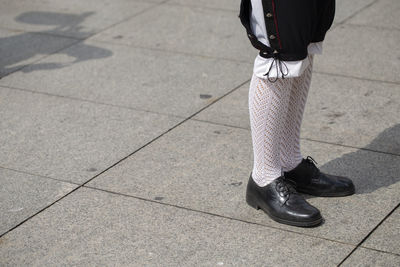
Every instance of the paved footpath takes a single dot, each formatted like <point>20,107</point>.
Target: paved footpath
<point>125,138</point>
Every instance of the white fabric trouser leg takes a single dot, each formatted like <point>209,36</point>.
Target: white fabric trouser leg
<point>276,111</point>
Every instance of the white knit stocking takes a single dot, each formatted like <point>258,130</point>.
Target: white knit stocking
<point>276,110</point>
<point>268,103</point>
<point>290,143</point>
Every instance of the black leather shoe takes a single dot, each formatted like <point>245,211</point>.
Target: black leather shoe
<point>310,180</point>
<point>282,203</point>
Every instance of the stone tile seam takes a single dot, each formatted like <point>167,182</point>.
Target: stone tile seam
<point>89,38</point>
<point>90,35</point>
<point>170,205</point>
<point>349,146</point>
<point>77,99</point>
<point>55,35</point>
<point>153,5</point>
<point>172,51</point>
<point>83,39</point>
<point>245,62</point>
<point>207,122</point>
<point>94,41</point>
<point>164,133</point>
<point>358,12</point>
<point>168,51</point>
<point>379,250</point>
<point>302,138</point>
<point>382,28</point>
<point>370,233</point>
<point>83,184</point>
<point>41,58</point>
<point>216,215</point>
<point>118,162</point>
<point>44,56</point>
<point>204,121</point>
<point>39,211</point>
<point>173,127</point>
<point>122,106</point>
<point>356,78</point>
<point>40,176</point>
<point>61,49</point>
<point>168,3</point>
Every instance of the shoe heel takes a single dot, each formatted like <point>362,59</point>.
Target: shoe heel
<point>251,202</point>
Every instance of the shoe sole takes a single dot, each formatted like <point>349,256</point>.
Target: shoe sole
<point>316,194</point>
<point>292,223</point>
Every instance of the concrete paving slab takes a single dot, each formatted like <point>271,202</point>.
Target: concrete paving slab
<point>72,18</point>
<point>387,236</point>
<point>383,13</point>
<point>349,51</point>
<point>233,5</point>
<point>206,167</point>
<point>203,166</point>
<point>232,110</point>
<point>338,109</point>
<point>353,112</point>
<point>92,228</point>
<point>163,82</point>
<point>68,139</point>
<point>18,49</point>
<point>366,257</point>
<point>187,29</point>
<point>346,8</point>
<point>22,195</point>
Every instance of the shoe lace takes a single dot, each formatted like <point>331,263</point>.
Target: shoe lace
<point>285,186</point>
<point>311,160</point>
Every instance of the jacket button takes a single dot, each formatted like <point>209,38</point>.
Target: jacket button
<point>272,37</point>
<point>268,15</point>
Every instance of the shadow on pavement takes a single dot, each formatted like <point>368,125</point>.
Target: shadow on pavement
<point>19,48</point>
<point>370,171</point>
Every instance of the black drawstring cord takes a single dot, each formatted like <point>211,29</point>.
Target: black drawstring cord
<point>279,67</point>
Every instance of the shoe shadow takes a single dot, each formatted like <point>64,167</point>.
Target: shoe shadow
<point>375,167</point>
<point>17,50</point>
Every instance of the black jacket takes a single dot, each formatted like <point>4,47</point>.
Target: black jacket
<point>291,26</point>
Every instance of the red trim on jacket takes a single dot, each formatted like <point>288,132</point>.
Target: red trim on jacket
<point>276,24</point>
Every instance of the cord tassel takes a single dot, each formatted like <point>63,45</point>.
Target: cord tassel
<point>279,64</point>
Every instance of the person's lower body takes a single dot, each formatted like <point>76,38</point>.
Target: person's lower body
<point>279,169</point>
<point>276,110</point>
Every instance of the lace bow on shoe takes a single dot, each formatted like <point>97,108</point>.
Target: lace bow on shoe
<point>285,188</point>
